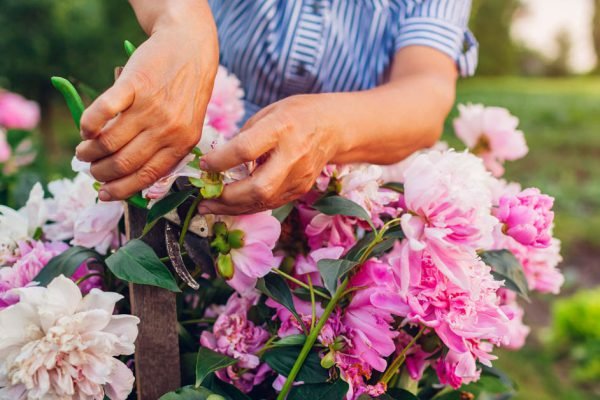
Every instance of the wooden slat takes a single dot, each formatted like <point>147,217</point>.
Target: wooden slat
<point>157,347</point>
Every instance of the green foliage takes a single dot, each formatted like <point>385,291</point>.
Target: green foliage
<point>506,267</point>
<point>275,287</point>
<point>332,270</point>
<point>65,264</point>
<point>209,361</point>
<point>490,22</point>
<point>320,391</point>
<point>164,206</point>
<point>337,205</point>
<point>282,359</point>
<point>136,262</point>
<point>72,98</point>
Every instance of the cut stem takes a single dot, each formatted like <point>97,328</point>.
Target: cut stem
<point>188,218</point>
<point>300,283</point>
<point>399,360</point>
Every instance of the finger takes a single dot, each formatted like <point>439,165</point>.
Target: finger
<point>258,192</point>
<point>115,135</point>
<point>115,100</point>
<point>249,145</point>
<point>158,166</point>
<point>128,159</point>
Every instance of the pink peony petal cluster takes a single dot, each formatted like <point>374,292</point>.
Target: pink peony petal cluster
<point>527,217</point>
<point>31,259</point>
<point>226,107</point>
<point>237,337</point>
<point>16,112</point>
<point>491,133</point>
<point>57,344</point>
<point>254,259</point>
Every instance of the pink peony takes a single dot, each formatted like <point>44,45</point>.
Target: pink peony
<point>491,133</point>
<point>527,217</point>
<point>368,317</point>
<point>32,258</point>
<point>307,264</point>
<point>331,231</point>
<point>237,337</point>
<point>417,360</point>
<point>517,330</point>
<point>18,113</point>
<point>448,203</point>
<point>357,373</point>
<point>5,150</point>
<point>255,258</point>
<point>225,108</point>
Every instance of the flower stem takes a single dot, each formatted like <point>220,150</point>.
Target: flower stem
<point>198,321</point>
<point>86,277</point>
<point>310,340</point>
<point>313,306</point>
<point>399,360</point>
<point>300,283</point>
<point>188,218</point>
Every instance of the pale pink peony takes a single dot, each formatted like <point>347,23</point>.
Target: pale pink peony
<point>97,226</point>
<point>5,150</point>
<point>448,202</point>
<point>57,344</point>
<point>255,258</point>
<point>527,217</point>
<point>16,112</point>
<point>491,133</point>
<point>226,107</point>
<point>456,368</point>
<point>70,199</point>
<point>237,337</point>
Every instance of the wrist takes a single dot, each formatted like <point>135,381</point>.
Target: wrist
<point>336,125</point>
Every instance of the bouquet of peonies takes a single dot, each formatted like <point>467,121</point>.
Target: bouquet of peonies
<point>388,282</point>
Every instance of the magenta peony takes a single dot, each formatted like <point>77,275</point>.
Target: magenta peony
<point>491,133</point>
<point>18,113</point>
<point>527,217</point>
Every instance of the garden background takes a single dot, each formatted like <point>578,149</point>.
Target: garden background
<point>552,83</point>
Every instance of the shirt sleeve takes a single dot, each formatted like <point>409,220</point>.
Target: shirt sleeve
<point>441,24</point>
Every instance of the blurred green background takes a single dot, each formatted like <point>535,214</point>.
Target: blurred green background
<point>557,102</point>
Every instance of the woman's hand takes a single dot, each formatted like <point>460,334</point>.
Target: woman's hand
<point>140,128</point>
<point>297,141</point>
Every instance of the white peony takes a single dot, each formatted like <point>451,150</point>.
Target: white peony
<point>56,344</point>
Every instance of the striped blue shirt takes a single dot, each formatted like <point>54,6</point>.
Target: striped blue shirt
<point>278,48</point>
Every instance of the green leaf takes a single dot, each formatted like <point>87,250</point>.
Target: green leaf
<point>276,288</point>
<point>129,48</point>
<point>395,186</point>
<point>498,374</point>
<point>66,264</point>
<point>72,98</point>
<point>332,270</point>
<point>209,361</point>
<point>282,359</point>
<point>282,212</point>
<point>164,206</point>
<point>320,391</point>
<point>190,393</point>
<point>505,266</point>
<point>337,205</point>
<point>224,389</point>
<point>292,340</point>
<point>136,262</point>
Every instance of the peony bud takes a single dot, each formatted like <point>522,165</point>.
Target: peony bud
<point>328,360</point>
<point>235,239</point>
<point>225,266</point>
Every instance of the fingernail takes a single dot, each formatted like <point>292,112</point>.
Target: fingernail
<point>203,164</point>
<point>103,195</point>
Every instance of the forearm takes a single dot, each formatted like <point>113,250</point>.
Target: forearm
<point>151,14</point>
<point>386,124</point>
